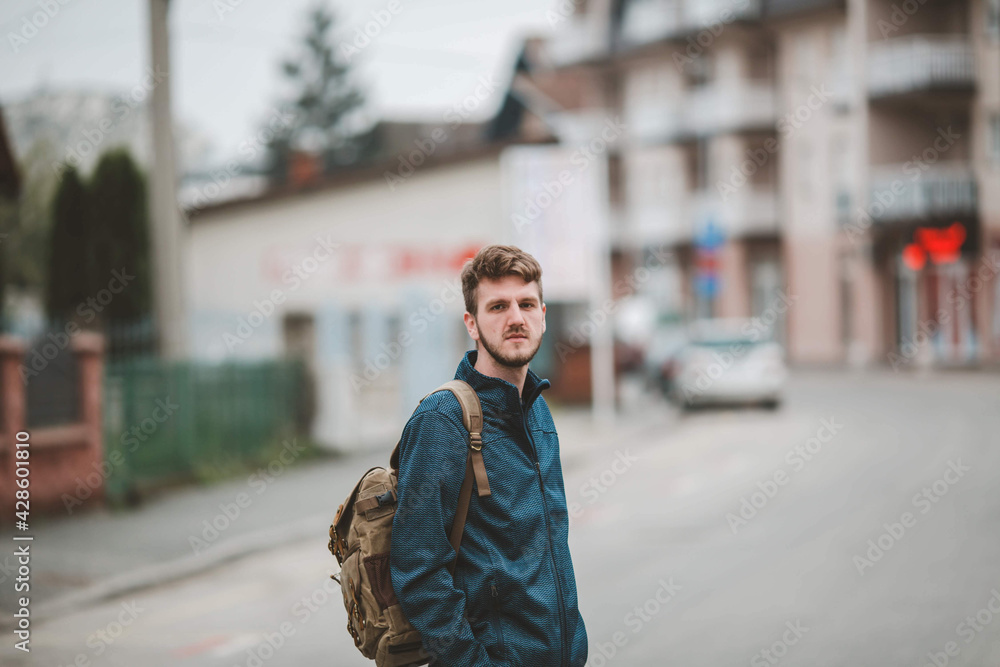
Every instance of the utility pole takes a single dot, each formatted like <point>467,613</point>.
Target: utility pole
<point>167,230</point>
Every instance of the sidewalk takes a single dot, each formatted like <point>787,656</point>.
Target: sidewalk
<point>82,559</point>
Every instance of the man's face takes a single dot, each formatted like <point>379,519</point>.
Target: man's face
<point>510,320</point>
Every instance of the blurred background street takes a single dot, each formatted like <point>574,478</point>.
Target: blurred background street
<point>231,235</point>
<point>667,516</point>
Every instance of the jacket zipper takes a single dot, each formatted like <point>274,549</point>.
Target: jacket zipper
<point>548,535</point>
<point>496,619</point>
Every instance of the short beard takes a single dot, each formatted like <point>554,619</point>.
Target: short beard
<point>509,362</point>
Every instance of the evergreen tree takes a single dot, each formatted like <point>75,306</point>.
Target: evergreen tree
<point>323,115</point>
<point>120,238</point>
<point>70,264</point>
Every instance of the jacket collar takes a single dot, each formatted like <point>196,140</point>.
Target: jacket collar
<point>496,392</point>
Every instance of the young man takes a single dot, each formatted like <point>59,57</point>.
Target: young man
<point>512,600</point>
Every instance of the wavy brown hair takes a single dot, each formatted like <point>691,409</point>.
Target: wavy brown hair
<point>496,262</point>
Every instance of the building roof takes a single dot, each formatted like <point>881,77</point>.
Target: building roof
<point>354,176</point>
<point>463,142</point>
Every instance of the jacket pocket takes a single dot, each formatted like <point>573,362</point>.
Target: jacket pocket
<point>495,619</point>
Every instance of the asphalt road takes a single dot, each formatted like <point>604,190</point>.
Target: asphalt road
<point>858,525</point>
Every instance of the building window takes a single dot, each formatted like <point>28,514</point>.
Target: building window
<point>356,336</point>
<point>699,72</point>
<point>699,171</point>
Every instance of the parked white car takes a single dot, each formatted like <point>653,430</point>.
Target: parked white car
<point>728,362</point>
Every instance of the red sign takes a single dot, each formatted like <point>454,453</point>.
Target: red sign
<point>942,245</point>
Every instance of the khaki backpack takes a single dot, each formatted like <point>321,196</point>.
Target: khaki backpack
<point>361,535</point>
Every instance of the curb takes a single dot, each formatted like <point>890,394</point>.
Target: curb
<point>180,568</point>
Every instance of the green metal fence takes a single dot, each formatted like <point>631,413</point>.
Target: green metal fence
<point>171,422</point>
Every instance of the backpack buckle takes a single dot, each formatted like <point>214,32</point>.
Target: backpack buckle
<point>386,498</point>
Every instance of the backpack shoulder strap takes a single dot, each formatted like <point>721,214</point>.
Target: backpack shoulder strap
<point>472,419</point>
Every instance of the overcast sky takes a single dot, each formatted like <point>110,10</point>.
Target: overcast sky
<point>428,57</point>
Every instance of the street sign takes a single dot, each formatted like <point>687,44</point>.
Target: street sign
<point>707,241</point>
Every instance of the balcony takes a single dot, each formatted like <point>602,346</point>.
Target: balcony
<point>650,123</point>
<point>578,41</point>
<point>750,211</point>
<point>656,197</point>
<point>920,63</point>
<point>697,14</point>
<point>650,20</point>
<point>722,108</point>
<point>945,190</point>
<point>575,128</point>
<point>652,223</point>
<point>646,21</point>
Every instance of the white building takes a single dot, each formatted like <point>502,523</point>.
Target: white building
<point>359,276</point>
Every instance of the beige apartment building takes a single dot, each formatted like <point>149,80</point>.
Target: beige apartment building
<point>839,157</point>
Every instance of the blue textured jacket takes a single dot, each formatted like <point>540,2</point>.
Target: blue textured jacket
<point>513,599</point>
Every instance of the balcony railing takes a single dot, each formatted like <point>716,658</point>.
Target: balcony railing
<point>653,123</point>
<point>944,190</point>
<point>700,13</point>
<point>579,127</point>
<point>921,62</point>
<point>749,211</point>
<point>577,41</point>
<point>721,108</point>
<point>651,223</point>
<point>650,20</point>
<point>704,111</point>
<point>656,197</point>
